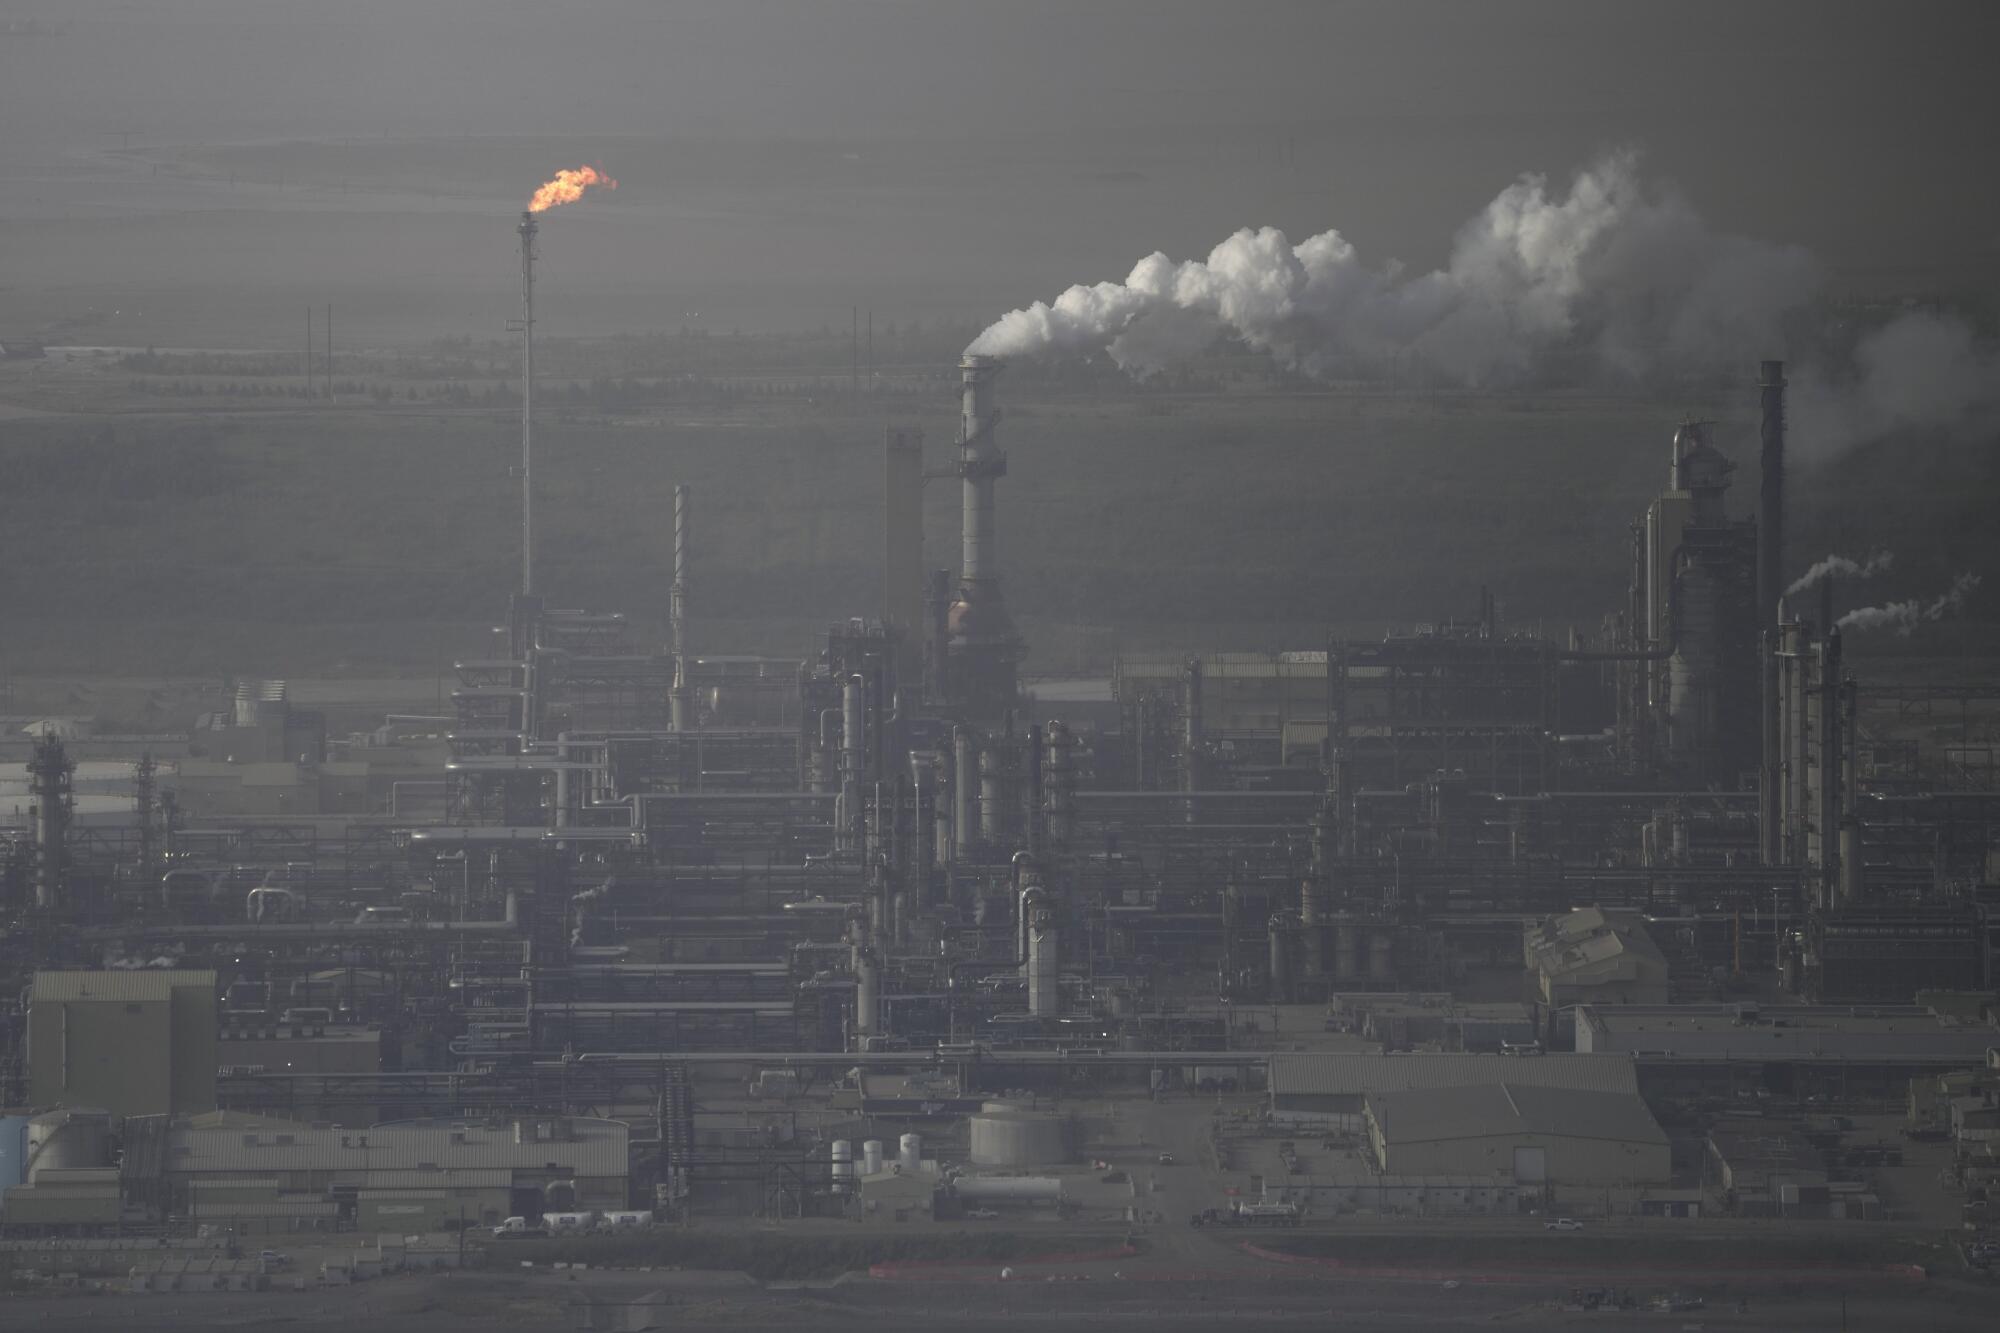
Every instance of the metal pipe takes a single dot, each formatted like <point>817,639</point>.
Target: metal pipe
<point>527,230</point>
<point>854,714</point>
<point>1852,887</point>
<point>964,782</point>
<point>1770,583</point>
<point>683,689</point>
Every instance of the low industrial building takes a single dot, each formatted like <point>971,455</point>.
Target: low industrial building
<point>1772,1170</point>
<point>273,1175</point>
<point>131,1043</point>
<point>1839,1051</point>
<point>1433,1021</point>
<point>1595,956</point>
<point>896,1194</point>
<point>1532,1134</point>
<point>1331,1091</point>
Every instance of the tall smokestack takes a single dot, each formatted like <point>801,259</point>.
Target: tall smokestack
<point>1770,591</point>
<point>527,229</point>
<point>683,688</point>
<point>981,465</point>
<point>981,631</point>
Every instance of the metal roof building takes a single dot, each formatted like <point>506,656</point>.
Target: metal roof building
<point>1533,1134</point>
<point>1333,1087</point>
<point>130,1042</point>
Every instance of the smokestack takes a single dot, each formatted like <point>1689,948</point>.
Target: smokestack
<point>981,465</point>
<point>980,627</point>
<point>527,230</point>
<point>683,688</point>
<point>1770,588</point>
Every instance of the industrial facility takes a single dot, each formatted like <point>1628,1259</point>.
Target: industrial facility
<point>1458,917</point>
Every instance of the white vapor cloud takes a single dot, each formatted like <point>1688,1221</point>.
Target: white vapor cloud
<point>1630,276</point>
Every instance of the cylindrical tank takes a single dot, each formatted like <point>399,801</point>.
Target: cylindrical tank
<point>1281,959</point>
<point>867,993</point>
<point>1061,784</point>
<point>910,1153</point>
<point>1692,732</point>
<point>992,812</point>
<point>1312,931</point>
<point>1381,956</point>
<point>871,1157</point>
<point>964,785</point>
<point>68,1140</point>
<point>1044,965</point>
<point>1347,951</point>
<point>843,1165</point>
<point>1009,1189</point>
<point>1018,1138</point>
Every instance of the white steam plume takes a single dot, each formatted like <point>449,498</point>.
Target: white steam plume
<point>1630,276</point>
<point>1627,279</point>
<point>1903,617</point>
<point>1918,371</point>
<point>1845,568</point>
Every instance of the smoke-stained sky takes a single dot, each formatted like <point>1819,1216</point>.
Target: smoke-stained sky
<point>1859,131</point>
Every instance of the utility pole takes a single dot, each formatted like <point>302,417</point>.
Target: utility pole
<point>329,350</point>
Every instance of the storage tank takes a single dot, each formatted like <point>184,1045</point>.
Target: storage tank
<point>13,1151</point>
<point>1009,1137</point>
<point>1008,1189</point>
<point>1280,927</point>
<point>1044,965</point>
<point>1381,956</point>
<point>1347,951</point>
<point>843,1166</point>
<point>867,993</point>
<point>871,1157</point>
<point>910,1153</point>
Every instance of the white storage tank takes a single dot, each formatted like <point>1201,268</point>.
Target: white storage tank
<point>1005,1136</point>
<point>843,1166</point>
<point>871,1157</point>
<point>910,1153</point>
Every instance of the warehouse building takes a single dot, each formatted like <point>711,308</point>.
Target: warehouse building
<point>1331,1091</point>
<point>131,1043</point>
<point>274,1175</point>
<point>1594,956</point>
<point>1839,1051</point>
<point>1533,1134</point>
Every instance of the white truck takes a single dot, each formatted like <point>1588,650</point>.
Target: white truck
<point>561,1222</point>
<point>519,1228</point>
<point>628,1219</point>
<point>1266,1214</point>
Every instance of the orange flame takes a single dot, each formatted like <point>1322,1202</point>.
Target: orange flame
<point>568,187</point>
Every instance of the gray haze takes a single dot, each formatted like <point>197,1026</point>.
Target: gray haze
<point>782,161</point>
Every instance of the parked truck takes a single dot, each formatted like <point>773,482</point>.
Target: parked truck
<point>628,1219</point>
<point>1265,1214</point>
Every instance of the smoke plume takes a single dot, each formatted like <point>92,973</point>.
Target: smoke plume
<point>1919,371</point>
<point>1903,617</point>
<point>568,187</point>
<point>1630,277</point>
<point>1845,568</point>
<point>1612,277</point>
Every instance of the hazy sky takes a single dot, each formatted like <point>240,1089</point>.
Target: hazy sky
<point>1860,130</point>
